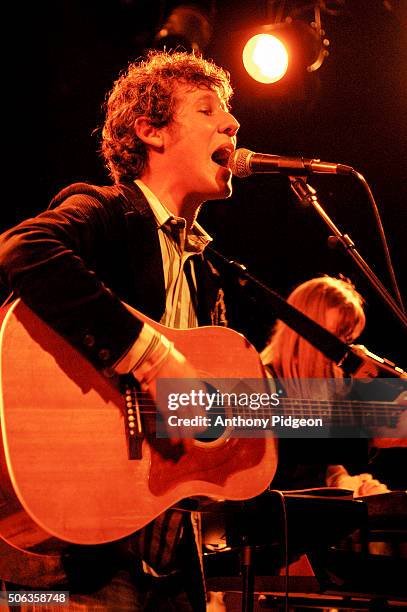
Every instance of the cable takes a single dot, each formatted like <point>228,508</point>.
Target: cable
<point>382,235</point>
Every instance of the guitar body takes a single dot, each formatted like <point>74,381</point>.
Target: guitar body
<point>65,471</point>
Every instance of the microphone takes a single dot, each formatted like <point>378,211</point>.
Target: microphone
<point>244,162</point>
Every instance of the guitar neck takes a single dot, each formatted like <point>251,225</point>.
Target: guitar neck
<point>350,412</point>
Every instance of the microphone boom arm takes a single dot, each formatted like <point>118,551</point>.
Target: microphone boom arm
<point>307,195</point>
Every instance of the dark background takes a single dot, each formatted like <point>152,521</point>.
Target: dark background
<point>352,110</point>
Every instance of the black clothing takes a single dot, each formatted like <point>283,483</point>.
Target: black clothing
<point>73,265</point>
<point>303,461</point>
<point>96,246</point>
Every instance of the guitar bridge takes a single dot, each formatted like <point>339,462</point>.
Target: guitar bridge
<point>133,423</point>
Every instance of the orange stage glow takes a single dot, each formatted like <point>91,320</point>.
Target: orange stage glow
<point>265,58</point>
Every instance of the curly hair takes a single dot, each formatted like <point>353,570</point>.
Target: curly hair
<point>147,88</point>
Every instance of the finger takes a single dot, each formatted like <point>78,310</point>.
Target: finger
<point>365,477</point>
<point>373,487</point>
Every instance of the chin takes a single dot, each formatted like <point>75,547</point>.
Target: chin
<point>227,193</point>
<point>220,188</point>
<point>222,194</point>
<point>225,189</point>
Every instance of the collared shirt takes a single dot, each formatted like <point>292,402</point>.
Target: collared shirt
<point>177,247</point>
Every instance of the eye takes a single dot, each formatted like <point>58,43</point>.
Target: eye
<point>206,111</point>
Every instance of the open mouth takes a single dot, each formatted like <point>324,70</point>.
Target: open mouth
<point>221,155</point>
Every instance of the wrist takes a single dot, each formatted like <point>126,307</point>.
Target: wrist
<point>150,368</point>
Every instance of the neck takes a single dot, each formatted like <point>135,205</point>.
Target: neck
<point>179,204</point>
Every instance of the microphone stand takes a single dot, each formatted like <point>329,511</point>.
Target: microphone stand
<point>307,196</point>
<point>355,361</point>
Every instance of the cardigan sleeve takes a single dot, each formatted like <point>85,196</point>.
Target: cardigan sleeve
<point>48,262</point>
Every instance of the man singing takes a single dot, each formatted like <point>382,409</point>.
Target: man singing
<point>166,141</point>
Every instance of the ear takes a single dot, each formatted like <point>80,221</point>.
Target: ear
<point>149,134</point>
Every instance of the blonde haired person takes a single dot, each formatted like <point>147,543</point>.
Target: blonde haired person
<point>335,304</point>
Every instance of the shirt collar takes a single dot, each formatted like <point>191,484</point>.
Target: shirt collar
<point>163,216</point>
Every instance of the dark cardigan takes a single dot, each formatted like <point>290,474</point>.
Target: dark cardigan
<point>93,248</point>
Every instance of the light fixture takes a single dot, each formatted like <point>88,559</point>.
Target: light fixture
<point>265,58</point>
<point>188,26</point>
<point>274,51</point>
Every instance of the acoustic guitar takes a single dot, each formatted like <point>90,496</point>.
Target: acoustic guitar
<point>66,471</point>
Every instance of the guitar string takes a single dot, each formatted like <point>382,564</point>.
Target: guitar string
<point>346,405</point>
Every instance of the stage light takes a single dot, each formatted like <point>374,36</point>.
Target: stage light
<point>265,58</point>
<point>284,51</point>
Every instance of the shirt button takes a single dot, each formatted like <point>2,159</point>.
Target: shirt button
<point>89,340</point>
<point>104,354</point>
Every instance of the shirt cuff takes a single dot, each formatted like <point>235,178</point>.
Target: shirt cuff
<point>145,354</point>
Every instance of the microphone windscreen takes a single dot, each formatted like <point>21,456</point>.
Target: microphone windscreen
<point>239,163</point>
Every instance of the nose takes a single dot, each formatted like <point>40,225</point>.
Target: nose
<point>229,125</point>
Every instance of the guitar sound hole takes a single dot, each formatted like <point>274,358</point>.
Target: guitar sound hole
<point>217,415</point>
<point>213,432</point>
